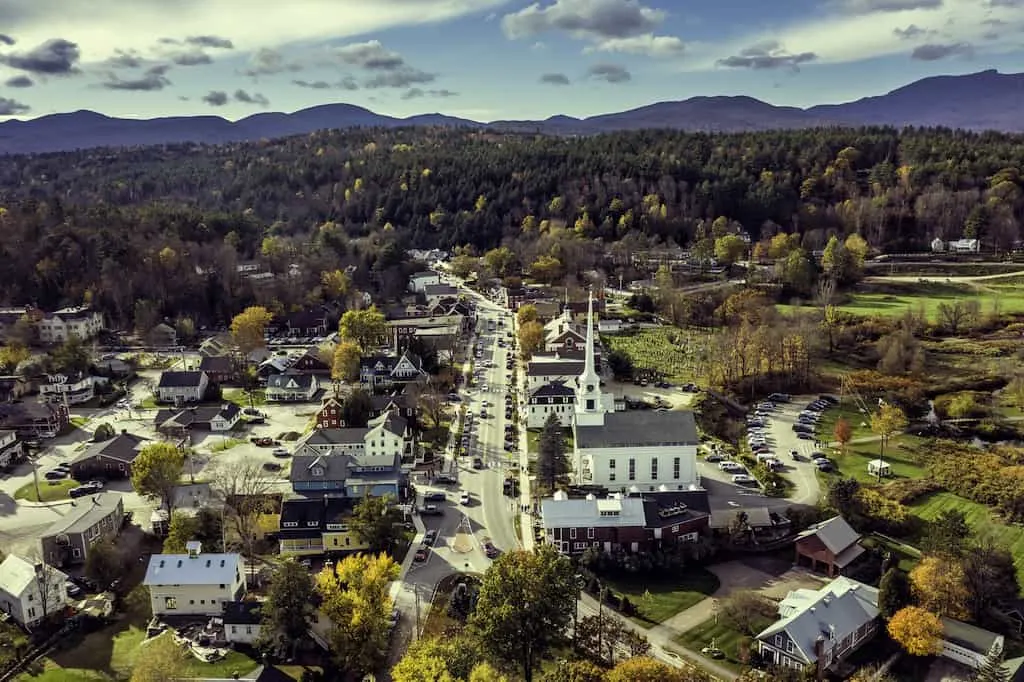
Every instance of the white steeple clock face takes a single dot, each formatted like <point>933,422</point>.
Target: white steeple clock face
<point>590,387</point>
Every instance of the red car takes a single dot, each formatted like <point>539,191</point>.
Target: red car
<point>421,553</point>
<point>490,550</point>
<point>262,442</point>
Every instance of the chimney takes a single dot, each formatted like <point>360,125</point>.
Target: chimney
<point>193,548</point>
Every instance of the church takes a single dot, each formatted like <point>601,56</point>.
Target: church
<point>631,451</point>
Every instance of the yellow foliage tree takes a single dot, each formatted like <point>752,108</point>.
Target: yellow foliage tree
<point>917,630</point>
<point>526,313</point>
<point>546,269</point>
<point>644,669</point>
<point>336,283</point>
<point>887,421</point>
<point>485,672</point>
<point>366,327</point>
<point>249,326</point>
<point>13,355</point>
<point>940,586</point>
<point>356,600</point>
<point>345,365</point>
<point>531,338</point>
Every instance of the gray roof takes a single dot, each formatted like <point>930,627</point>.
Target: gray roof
<point>216,363</point>
<point>336,436</point>
<point>640,428</point>
<point>282,381</point>
<point>968,636</point>
<point>180,379</point>
<point>335,468</point>
<point>841,607</point>
<point>835,533</point>
<point>124,447</point>
<point>203,569</point>
<point>87,512</point>
<point>555,368</point>
<point>392,422</point>
<point>553,389</point>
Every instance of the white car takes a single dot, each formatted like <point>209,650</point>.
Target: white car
<point>742,479</point>
<point>464,499</point>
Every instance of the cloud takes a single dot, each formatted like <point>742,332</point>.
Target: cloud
<point>610,73</point>
<point>593,19</point>
<point>1005,3</point>
<point>11,107</point>
<point>6,39</point>
<point>767,55</point>
<point>124,59</point>
<point>348,83</point>
<point>55,57</point>
<point>931,52</point>
<point>191,58</point>
<point>19,82</point>
<point>400,79</point>
<point>991,35</point>
<point>370,55</point>
<point>210,41</point>
<point>555,79</point>
<point>254,98</point>
<point>872,6</point>
<point>153,79</point>
<point>267,62</point>
<point>98,24</point>
<point>312,85</point>
<point>216,98</point>
<point>993,22</point>
<point>415,93</point>
<point>912,31</point>
<point>646,44</point>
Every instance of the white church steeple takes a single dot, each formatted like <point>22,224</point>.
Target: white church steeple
<point>589,410</point>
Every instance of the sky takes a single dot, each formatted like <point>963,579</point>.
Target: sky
<point>481,59</point>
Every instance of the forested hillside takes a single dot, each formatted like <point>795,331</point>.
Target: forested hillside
<point>131,225</point>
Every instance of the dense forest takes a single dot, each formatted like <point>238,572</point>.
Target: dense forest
<point>167,224</point>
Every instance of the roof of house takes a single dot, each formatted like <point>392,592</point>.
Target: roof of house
<point>968,636</point>
<point>835,533</point>
<point>124,447</point>
<point>201,414</point>
<point>356,462</point>
<point>86,513</point>
<point>221,364</point>
<point>175,379</point>
<point>667,508</point>
<point>392,422</point>
<point>555,368</point>
<point>553,389</point>
<point>381,402</point>
<point>336,436</point>
<point>201,569</point>
<point>440,290</point>
<point>597,513</point>
<point>841,607</point>
<point>18,574</point>
<point>242,612</point>
<point>291,382</point>
<point>335,468</point>
<point>640,428</point>
<point>757,517</point>
<point>28,409</point>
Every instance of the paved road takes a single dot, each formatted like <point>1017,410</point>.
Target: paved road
<point>955,279</point>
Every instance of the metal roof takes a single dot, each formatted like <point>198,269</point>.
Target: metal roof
<point>200,569</point>
<point>639,428</point>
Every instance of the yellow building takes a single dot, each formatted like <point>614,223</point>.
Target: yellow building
<point>313,527</point>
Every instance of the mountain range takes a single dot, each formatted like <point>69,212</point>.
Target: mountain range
<point>987,100</point>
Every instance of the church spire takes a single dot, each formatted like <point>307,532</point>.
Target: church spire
<point>588,368</point>
<point>589,407</point>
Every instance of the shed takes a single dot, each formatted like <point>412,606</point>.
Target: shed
<point>878,467</point>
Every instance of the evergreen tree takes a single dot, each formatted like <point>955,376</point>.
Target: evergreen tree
<point>993,670</point>
<point>894,592</point>
<point>551,460</point>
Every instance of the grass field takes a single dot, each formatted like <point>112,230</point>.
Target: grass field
<point>226,444</point>
<point>675,353</point>
<point>980,519</point>
<point>900,455</point>
<point>859,422</point>
<point>715,632</point>
<point>657,601</point>
<point>906,555</point>
<point>49,491</point>
<point>241,398</point>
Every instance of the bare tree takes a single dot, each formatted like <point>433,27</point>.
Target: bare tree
<point>243,489</point>
<point>47,582</point>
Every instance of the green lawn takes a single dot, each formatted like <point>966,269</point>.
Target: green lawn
<point>657,601</point>
<point>678,354</point>
<point>241,398</point>
<point>50,491</point>
<point>859,422</point>
<point>980,519</point>
<point>899,455</point>
<point>226,444</point>
<point>80,422</point>
<point>148,403</point>
<point>720,635</point>
<point>906,555</point>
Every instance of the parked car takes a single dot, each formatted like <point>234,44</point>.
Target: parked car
<point>464,499</point>
<point>56,474</point>
<point>490,551</point>
<point>444,480</point>
<point>72,589</point>
<point>478,463</point>
<point>713,457</point>
<point>271,466</point>
<point>280,452</point>
<point>421,554</point>
<point>779,397</point>
<point>83,490</point>
<point>430,538</point>
<point>262,442</point>
<point>434,497</point>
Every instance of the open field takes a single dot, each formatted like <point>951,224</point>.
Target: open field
<point>980,519</point>
<point>241,398</point>
<point>900,455</point>
<point>49,491</point>
<point>859,422</point>
<point>656,602</point>
<point>677,354</point>
<point>715,632</point>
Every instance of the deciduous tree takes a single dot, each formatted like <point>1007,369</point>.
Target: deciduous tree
<point>531,338</point>
<point>356,599</point>
<point>438,659</point>
<point>729,249</point>
<point>940,586</point>
<point>947,534</point>
<point>158,660</point>
<point>336,283</point>
<point>243,488</point>
<point>286,612</point>
<point>842,432</point>
<point>500,261</point>
<point>573,671</point>
<point>249,327</point>
<point>644,669</point>
<point>357,408</point>
<point>156,472</point>
<point>103,432</point>
<point>894,592</point>
<point>526,603</point>
<point>366,327</point>
<point>990,575</point>
<point>526,313</point>
<point>917,630</point>
<point>372,524</point>
<point>345,365</point>
<point>747,611</point>
<point>12,355</point>
<point>104,563</point>
<point>887,421</point>
<point>181,530</point>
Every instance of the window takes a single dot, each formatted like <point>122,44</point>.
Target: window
<point>590,533</point>
<point>611,476</point>
<point>248,629</point>
<point>654,469</point>
<point>632,469</point>
<point>590,404</point>
<point>32,612</point>
<point>76,553</point>
<point>579,545</point>
<point>611,464</point>
<point>675,528</point>
<point>234,630</point>
<point>675,468</point>
<point>789,646</point>
<point>778,640</point>
<point>572,533</point>
<point>170,603</point>
<point>222,586</point>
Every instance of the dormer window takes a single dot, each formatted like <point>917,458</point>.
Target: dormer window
<point>317,471</point>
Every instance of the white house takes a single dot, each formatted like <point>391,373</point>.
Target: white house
<point>182,387</point>
<point>242,621</point>
<point>540,372</point>
<point>638,449</point>
<point>292,387</point>
<point>964,246</point>
<point>555,398</point>
<point>419,281</point>
<point>10,447</point>
<point>194,584</point>
<point>609,327</point>
<point>76,389</point>
<point>59,326</point>
<point>821,626</point>
<point>938,246</point>
<point>388,434</point>
<point>29,592</point>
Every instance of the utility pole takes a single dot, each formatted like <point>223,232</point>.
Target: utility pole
<point>35,477</point>
<point>416,622</point>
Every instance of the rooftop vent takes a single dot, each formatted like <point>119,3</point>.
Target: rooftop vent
<point>193,548</point>
<point>674,510</point>
<point>590,496</point>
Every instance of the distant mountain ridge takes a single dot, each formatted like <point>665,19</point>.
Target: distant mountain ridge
<point>987,100</point>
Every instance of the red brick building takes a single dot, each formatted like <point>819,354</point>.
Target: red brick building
<point>329,416</point>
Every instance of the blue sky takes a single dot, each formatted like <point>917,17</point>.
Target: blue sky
<point>481,59</point>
